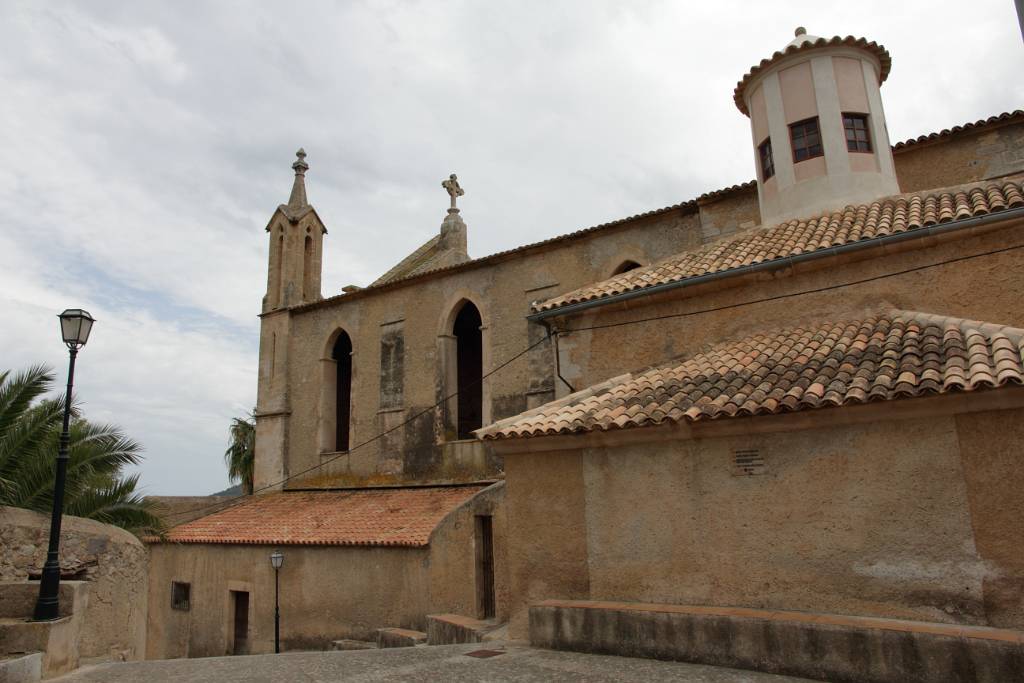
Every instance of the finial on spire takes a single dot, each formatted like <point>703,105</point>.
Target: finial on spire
<point>800,31</point>
<point>454,190</point>
<point>298,197</point>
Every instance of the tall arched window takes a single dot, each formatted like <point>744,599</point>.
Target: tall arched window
<point>342,356</point>
<point>307,269</point>
<point>469,368</point>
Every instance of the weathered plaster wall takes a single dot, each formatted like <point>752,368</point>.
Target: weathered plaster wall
<point>453,550</point>
<point>547,531</point>
<point>327,593</point>
<point>893,519</point>
<point>110,559</point>
<point>991,444</point>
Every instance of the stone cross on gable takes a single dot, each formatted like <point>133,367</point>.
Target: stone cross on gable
<point>454,190</point>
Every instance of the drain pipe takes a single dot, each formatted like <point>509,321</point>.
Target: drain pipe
<point>553,332</point>
<point>780,263</point>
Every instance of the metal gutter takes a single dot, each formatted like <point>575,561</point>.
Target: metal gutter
<point>780,263</point>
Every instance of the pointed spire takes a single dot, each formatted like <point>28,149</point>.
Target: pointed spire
<point>298,198</point>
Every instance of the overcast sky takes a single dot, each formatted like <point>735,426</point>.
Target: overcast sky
<point>145,145</point>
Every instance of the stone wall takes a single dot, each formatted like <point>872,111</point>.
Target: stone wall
<point>111,560</point>
<point>908,518</point>
<point>992,152</point>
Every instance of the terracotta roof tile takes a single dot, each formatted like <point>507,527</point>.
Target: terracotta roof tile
<point>895,355</point>
<point>896,214</point>
<point>393,517</point>
<point>1005,117</point>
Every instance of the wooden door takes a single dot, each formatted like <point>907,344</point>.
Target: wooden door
<point>485,606</point>
<point>240,644</point>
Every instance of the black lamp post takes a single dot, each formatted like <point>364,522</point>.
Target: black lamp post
<point>75,325</point>
<point>276,560</point>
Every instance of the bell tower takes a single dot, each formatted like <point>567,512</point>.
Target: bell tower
<point>296,247</point>
<point>818,126</point>
<point>293,277</point>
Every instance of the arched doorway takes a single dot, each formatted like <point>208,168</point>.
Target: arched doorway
<point>341,354</point>
<point>469,370</point>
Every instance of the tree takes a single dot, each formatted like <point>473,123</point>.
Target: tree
<point>241,453</point>
<point>97,488</point>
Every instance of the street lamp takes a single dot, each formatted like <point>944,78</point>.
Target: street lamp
<point>276,560</point>
<point>75,325</point>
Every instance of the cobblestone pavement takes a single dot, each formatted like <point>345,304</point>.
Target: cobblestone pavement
<point>440,663</point>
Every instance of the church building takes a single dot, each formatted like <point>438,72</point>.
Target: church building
<point>801,392</point>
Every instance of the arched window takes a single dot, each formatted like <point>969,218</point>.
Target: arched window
<point>307,269</point>
<point>469,368</point>
<point>626,266</point>
<point>342,356</point>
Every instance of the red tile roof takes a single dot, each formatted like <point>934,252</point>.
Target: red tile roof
<point>393,517</point>
<point>896,355</point>
<point>1016,115</point>
<point>885,61</point>
<point>891,215</point>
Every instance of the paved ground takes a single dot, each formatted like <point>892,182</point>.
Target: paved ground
<point>441,663</point>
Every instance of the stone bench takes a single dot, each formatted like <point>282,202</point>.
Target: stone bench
<point>822,646</point>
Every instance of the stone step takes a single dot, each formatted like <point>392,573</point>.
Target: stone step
<point>453,629</point>
<point>349,644</point>
<point>21,668</point>
<point>400,637</point>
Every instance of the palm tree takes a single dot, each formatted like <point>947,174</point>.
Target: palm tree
<point>96,488</point>
<point>240,455</point>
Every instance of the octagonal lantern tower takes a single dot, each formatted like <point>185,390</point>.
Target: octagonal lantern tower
<point>818,127</point>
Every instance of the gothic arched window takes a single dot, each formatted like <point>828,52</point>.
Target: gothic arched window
<point>342,356</point>
<point>469,370</point>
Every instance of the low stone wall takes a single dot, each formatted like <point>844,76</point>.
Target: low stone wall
<point>819,646</point>
<point>58,640</point>
<point>113,561</point>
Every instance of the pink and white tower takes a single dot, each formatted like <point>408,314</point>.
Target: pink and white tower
<point>818,126</point>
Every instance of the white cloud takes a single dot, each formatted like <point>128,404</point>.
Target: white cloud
<point>145,146</point>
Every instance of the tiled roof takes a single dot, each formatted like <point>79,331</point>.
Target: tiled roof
<point>400,516</point>
<point>899,354</point>
<point>880,53</point>
<point>1005,117</point>
<point>900,213</point>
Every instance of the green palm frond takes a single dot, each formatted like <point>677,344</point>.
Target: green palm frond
<point>240,456</point>
<point>118,503</point>
<point>97,454</point>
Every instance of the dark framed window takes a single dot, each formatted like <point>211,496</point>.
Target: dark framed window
<point>764,152</point>
<point>858,136</point>
<point>806,139</point>
<point>180,595</point>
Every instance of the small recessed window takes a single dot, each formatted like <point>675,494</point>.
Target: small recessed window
<point>806,140</point>
<point>625,267</point>
<point>180,595</point>
<point>764,151</point>
<point>858,136</point>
